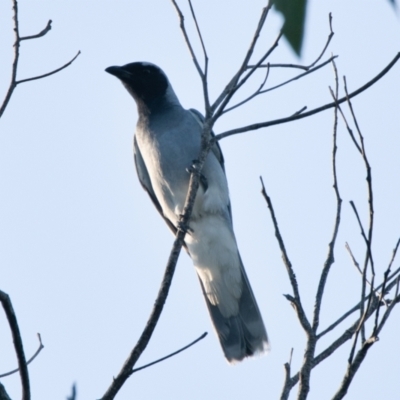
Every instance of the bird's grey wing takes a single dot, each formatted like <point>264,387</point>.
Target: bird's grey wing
<point>216,149</point>
<point>144,179</point>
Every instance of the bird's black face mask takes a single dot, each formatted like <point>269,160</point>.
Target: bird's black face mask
<point>145,82</point>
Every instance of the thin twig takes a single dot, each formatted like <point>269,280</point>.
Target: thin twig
<point>369,183</point>
<point>304,67</point>
<point>182,228</point>
<point>357,307</point>
<point>18,345</point>
<point>203,77</point>
<point>14,68</point>
<point>224,103</point>
<point>308,72</point>
<point>287,385</point>
<point>40,34</point>
<point>49,73</point>
<point>353,368</point>
<point>355,262</point>
<point>73,393</point>
<point>292,277</point>
<point>14,82</point>
<point>389,309</point>
<point>257,92</point>
<point>40,348</point>
<point>330,257</point>
<point>170,355</point>
<point>202,74</point>
<point>260,125</point>
<point>347,335</point>
<point>233,86</point>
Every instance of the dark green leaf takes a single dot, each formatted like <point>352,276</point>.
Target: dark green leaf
<point>294,12</point>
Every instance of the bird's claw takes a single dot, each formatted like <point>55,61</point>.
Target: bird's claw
<point>182,226</point>
<point>193,168</point>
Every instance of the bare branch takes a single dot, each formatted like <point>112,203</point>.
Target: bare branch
<point>330,257</point>
<point>14,82</point>
<point>40,348</point>
<point>202,74</point>
<point>170,355</point>
<point>182,228</point>
<point>310,71</point>
<point>394,253</point>
<point>369,181</point>
<point>390,308</point>
<point>40,34</point>
<point>317,110</point>
<point>73,393</point>
<point>200,37</point>
<point>257,92</point>
<point>49,73</point>
<point>18,345</point>
<point>287,385</point>
<point>292,277</point>
<point>353,368</point>
<point>233,85</point>
<point>238,85</point>
<point>357,307</point>
<point>15,61</point>
<point>304,67</point>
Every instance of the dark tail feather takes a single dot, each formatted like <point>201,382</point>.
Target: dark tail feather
<point>243,335</point>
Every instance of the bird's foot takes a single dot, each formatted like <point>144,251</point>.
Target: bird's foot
<point>182,226</point>
<point>193,169</point>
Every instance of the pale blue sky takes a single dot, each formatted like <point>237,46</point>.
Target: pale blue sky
<point>82,250</point>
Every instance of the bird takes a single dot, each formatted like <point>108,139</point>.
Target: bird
<point>166,142</point>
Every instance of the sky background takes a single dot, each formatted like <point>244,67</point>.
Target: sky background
<point>82,250</point>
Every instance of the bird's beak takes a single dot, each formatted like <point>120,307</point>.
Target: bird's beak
<point>119,72</point>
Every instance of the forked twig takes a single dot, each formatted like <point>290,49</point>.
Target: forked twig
<point>305,67</point>
<point>292,277</point>
<point>18,39</point>
<point>317,110</point>
<point>171,355</point>
<point>40,348</point>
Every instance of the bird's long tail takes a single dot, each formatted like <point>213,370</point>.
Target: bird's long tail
<point>244,334</point>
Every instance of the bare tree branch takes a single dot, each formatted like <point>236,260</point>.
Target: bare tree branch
<point>395,274</point>
<point>330,257</point>
<point>202,74</point>
<point>232,87</point>
<point>287,385</point>
<point>317,110</point>
<point>292,277</point>
<point>40,34</point>
<point>170,355</point>
<point>256,93</point>
<point>15,61</point>
<point>49,73</point>
<point>40,348</point>
<point>18,345</point>
<point>305,67</point>
<point>182,228</point>
<point>73,393</point>
<point>353,368</point>
<point>14,82</point>
<point>308,72</point>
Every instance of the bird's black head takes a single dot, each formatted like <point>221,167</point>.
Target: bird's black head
<point>146,82</point>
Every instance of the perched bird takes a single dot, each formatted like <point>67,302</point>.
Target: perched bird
<point>166,141</point>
